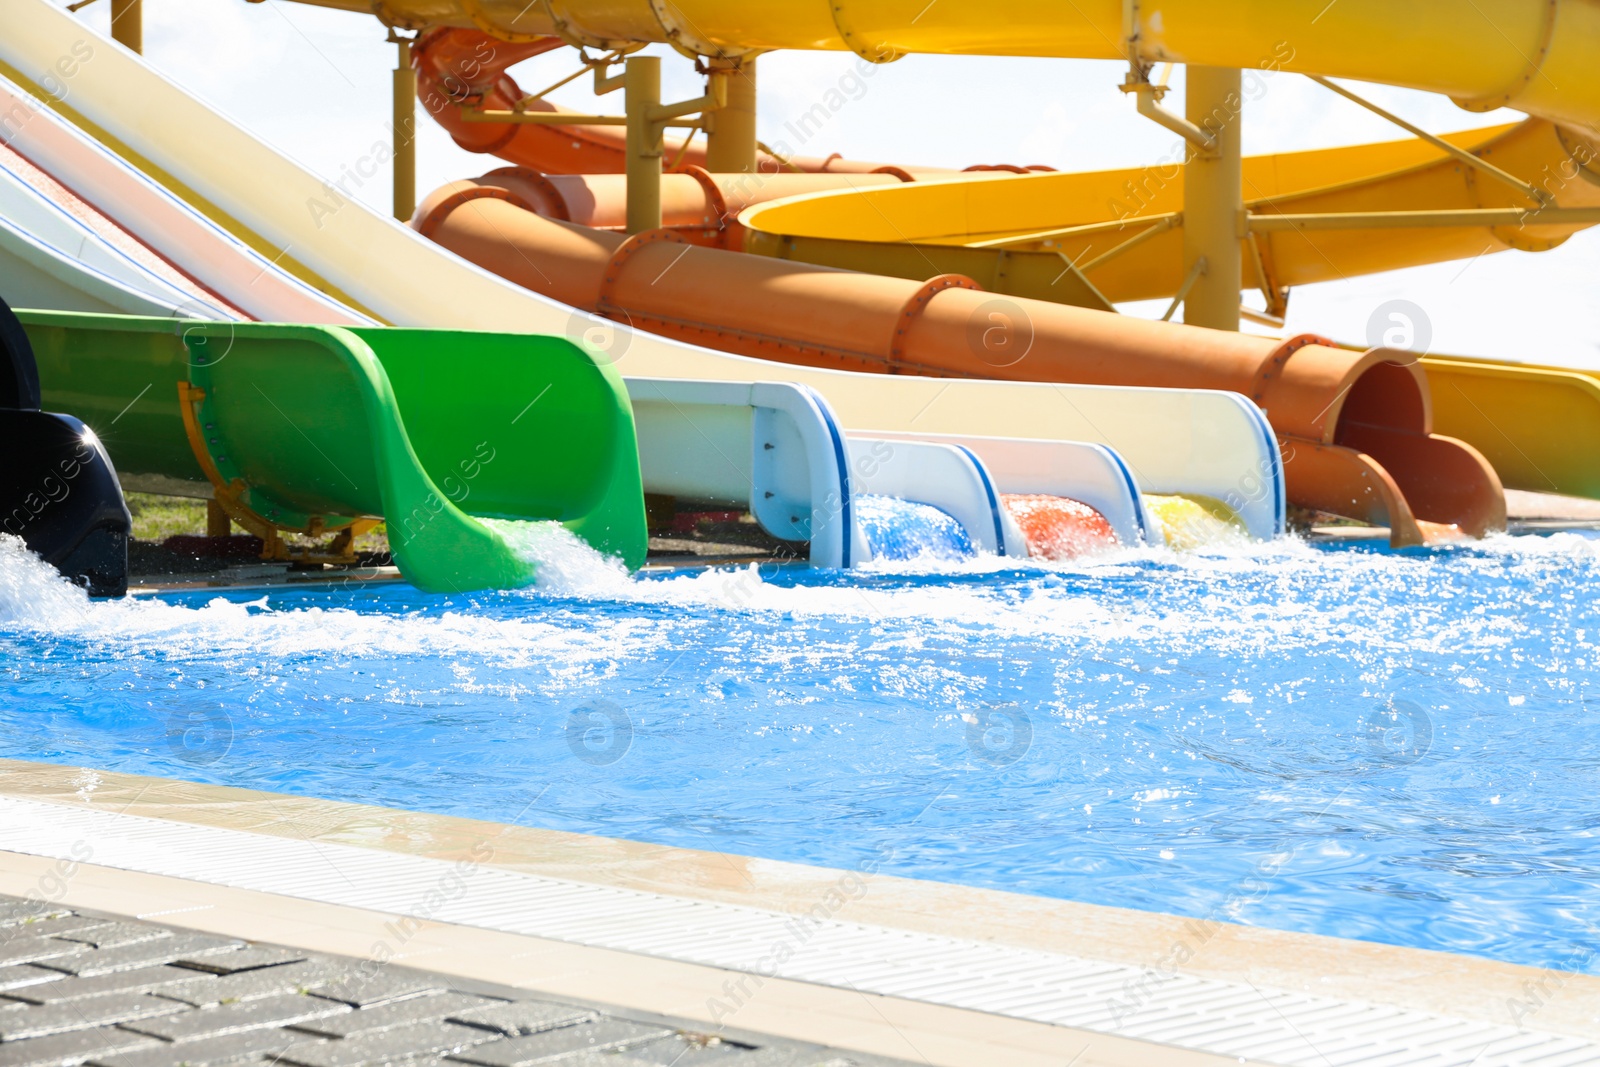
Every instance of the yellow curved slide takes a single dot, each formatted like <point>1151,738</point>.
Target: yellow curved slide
<point>1122,229</point>
<point>1534,55</point>
<point>1538,426</point>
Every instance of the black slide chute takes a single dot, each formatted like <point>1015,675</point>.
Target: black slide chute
<point>58,490</point>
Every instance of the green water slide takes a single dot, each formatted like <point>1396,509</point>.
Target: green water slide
<point>320,428</point>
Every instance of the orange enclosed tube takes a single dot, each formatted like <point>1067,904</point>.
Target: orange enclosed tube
<point>702,208</point>
<point>457,66</point>
<point>1355,428</point>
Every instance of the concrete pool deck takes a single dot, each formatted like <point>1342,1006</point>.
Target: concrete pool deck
<point>914,970</point>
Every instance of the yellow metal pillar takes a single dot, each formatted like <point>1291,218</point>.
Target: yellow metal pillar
<point>641,89</point>
<point>405,131</point>
<point>127,24</point>
<point>731,131</point>
<point>1213,199</point>
<point>217,522</point>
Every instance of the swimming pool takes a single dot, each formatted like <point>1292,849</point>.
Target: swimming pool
<point>1342,739</point>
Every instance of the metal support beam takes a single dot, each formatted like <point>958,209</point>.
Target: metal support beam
<point>405,130</point>
<point>1213,200</point>
<point>1196,272</point>
<point>641,88</point>
<point>1148,96</point>
<point>127,24</point>
<point>1261,318</point>
<point>647,122</point>
<point>217,522</point>
<point>782,160</point>
<point>1170,218</point>
<point>1076,272</point>
<point>597,67</point>
<point>1161,226</point>
<point>1277,299</point>
<point>731,130</point>
<point>1527,189</point>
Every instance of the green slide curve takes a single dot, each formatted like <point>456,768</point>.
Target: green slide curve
<point>431,430</point>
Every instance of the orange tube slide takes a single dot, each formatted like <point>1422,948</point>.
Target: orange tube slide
<point>456,66</point>
<point>701,208</point>
<point>1355,428</point>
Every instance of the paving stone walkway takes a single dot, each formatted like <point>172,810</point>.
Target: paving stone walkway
<point>76,988</point>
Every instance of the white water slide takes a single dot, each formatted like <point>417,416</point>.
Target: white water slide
<point>252,247</point>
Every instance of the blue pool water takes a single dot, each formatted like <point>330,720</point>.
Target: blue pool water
<point>1400,746</point>
<point>900,530</point>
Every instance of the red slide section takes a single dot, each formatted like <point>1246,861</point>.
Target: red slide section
<point>458,66</point>
<point>1057,527</point>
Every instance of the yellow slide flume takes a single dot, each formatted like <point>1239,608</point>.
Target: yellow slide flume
<point>1002,230</point>
<point>1539,426</point>
<point>1534,55</point>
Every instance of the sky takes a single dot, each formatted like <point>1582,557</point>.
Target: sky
<point>315,83</point>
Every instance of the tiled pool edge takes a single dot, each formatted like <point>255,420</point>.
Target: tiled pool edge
<point>738,886</point>
<point>1426,981</point>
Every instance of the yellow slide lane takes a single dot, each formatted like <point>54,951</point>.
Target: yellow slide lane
<point>1538,426</point>
<point>998,229</point>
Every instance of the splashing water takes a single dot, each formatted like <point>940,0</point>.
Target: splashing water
<point>1057,527</point>
<point>32,589</point>
<point>901,530</point>
<point>562,562</point>
<point>1191,522</point>
<point>1348,740</point>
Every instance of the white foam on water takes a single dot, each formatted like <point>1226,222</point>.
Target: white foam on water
<point>568,567</point>
<point>33,591</point>
<point>563,562</point>
<point>34,598</point>
<point>1015,603</point>
<point>1283,594</point>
